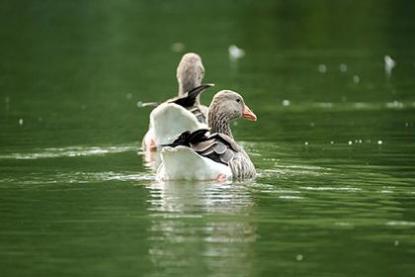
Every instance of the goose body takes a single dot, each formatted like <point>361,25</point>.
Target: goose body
<point>202,155</point>
<point>183,163</point>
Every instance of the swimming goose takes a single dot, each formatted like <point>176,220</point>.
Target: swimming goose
<point>202,155</point>
<point>190,73</point>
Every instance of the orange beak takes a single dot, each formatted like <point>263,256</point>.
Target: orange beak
<point>248,114</point>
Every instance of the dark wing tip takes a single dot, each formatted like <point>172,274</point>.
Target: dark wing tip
<point>189,99</point>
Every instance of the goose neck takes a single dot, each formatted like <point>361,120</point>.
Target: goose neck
<point>220,123</point>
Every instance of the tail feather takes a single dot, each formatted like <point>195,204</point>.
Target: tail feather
<point>189,99</point>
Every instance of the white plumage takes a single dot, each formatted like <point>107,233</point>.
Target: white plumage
<point>182,163</point>
<point>169,120</point>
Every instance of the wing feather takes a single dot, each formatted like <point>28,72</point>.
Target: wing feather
<point>217,147</point>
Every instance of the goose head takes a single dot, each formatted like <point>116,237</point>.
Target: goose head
<point>190,73</point>
<point>225,107</point>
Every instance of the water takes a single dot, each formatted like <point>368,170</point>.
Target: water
<point>334,141</point>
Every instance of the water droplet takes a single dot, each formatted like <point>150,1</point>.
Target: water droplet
<point>380,142</point>
<point>286,102</point>
<point>343,67</point>
<point>129,96</point>
<point>350,142</point>
<point>396,242</point>
<point>141,104</point>
<point>299,257</point>
<point>389,65</point>
<point>356,79</point>
<point>177,47</point>
<point>331,142</point>
<point>322,68</point>
<point>235,52</point>
<point>7,101</point>
<point>20,121</point>
<point>306,143</point>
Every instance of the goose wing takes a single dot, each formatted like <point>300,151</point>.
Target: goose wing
<point>189,98</point>
<point>216,147</point>
<point>188,101</point>
<point>169,120</point>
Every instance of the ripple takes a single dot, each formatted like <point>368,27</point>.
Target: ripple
<point>290,197</point>
<point>76,177</point>
<point>331,188</point>
<point>70,151</point>
<point>343,106</point>
<point>293,170</point>
<point>400,223</point>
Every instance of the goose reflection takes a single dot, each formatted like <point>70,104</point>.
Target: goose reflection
<point>202,226</point>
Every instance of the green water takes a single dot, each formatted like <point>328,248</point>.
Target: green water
<point>336,160</point>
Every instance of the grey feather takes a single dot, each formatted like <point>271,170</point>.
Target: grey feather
<point>227,156</point>
<point>220,148</point>
<point>203,146</point>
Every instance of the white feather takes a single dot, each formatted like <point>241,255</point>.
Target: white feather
<point>182,163</point>
<point>169,120</point>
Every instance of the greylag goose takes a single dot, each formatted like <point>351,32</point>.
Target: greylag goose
<point>190,73</point>
<point>202,155</point>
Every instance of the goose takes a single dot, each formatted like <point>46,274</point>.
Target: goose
<point>190,73</point>
<point>204,154</point>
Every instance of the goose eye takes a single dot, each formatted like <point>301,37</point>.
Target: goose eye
<point>238,100</point>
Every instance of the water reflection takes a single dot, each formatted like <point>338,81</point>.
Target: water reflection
<point>202,225</point>
<point>152,159</point>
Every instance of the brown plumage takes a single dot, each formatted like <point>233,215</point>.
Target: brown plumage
<point>190,74</point>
